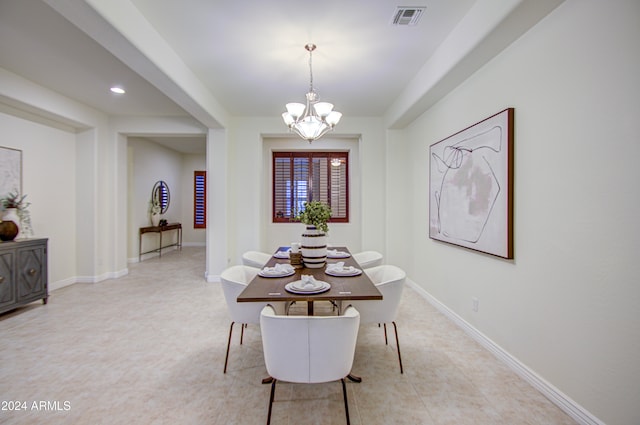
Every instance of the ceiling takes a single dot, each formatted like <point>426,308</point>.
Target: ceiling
<point>247,56</point>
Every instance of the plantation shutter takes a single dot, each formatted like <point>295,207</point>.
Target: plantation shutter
<point>310,176</point>
<point>200,199</point>
<point>338,184</point>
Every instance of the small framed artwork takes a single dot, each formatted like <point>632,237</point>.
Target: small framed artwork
<point>471,187</point>
<point>10,171</point>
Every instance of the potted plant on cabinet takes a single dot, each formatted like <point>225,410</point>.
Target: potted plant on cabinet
<point>16,210</point>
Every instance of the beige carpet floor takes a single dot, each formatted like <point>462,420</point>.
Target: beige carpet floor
<point>149,348</point>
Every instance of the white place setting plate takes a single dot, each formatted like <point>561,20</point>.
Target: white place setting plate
<point>337,254</point>
<point>344,271</point>
<point>299,287</point>
<point>278,271</point>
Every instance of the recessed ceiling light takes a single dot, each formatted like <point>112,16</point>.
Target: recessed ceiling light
<point>117,90</point>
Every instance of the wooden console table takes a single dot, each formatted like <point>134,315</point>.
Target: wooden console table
<point>159,230</point>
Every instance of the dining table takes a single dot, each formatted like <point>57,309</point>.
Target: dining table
<point>342,288</point>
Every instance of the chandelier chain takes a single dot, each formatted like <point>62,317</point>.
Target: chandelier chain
<point>310,72</point>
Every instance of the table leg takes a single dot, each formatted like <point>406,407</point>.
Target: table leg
<point>309,308</point>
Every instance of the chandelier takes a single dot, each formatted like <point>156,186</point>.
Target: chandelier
<point>313,120</point>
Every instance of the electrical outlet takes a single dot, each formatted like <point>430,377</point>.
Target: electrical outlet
<point>475,304</point>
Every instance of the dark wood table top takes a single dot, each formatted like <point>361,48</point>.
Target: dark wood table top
<point>170,226</point>
<point>267,289</point>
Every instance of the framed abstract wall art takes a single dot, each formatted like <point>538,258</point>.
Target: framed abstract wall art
<point>10,171</point>
<point>471,187</point>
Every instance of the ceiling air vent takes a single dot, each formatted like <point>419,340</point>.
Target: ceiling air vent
<point>407,15</point>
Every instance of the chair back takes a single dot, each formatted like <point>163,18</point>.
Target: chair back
<point>255,259</point>
<point>368,259</point>
<point>309,349</point>
<point>389,280</point>
<point>234,280</point>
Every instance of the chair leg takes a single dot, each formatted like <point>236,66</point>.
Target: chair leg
<point>395,327</point>
<point>386,342</point>
<point>242,326</point>
<point>226,359</point>
<point>346,404</point>
<point>273,391</point>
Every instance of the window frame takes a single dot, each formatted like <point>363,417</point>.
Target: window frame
<point>329,155</point>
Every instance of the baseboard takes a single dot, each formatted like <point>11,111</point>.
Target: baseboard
<point>557,397</point>
<point>52,286</point>
<point>196,244</point>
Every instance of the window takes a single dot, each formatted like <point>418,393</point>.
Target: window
<point>199,199</point>
<point>310,176</point>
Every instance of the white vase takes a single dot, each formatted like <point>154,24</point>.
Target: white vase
<point>314,248</point>
<point>11,214</point>
<point>155,219</point>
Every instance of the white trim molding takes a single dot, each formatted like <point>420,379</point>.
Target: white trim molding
<point>557,397</point>
<point>52,286</point>
<point>212,278</point>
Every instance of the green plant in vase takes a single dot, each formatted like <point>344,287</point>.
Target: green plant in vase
<point>154,212</point>
<point>316,213</point>
<point>154,207</point>
<point>14,200</point>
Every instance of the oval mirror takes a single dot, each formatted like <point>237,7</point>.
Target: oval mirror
<point>160,195</point>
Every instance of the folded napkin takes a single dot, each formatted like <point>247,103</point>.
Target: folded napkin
<point>282,254</point>
<point>308,282</point>
<point>336,253</point>
<point>278,269</point>
<point>339,267</point>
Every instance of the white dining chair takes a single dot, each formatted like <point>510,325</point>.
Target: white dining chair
<point>309,349</point>
<point>390,281</point>
<point>255,259</point>
<point>234,280</point>
<point>368,259</point>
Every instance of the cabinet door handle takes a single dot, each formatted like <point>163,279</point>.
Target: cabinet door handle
<point>32,271</point>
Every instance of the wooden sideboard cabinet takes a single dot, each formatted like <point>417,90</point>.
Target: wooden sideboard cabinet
<point>23,273</point>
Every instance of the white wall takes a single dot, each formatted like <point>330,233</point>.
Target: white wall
<point>340,234</point>
<point>77,174</point>
<point>94,189</point>
<point>249,191</point>
<point>50,186</point>
<point>151,162</point>
<point>567,305</point>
